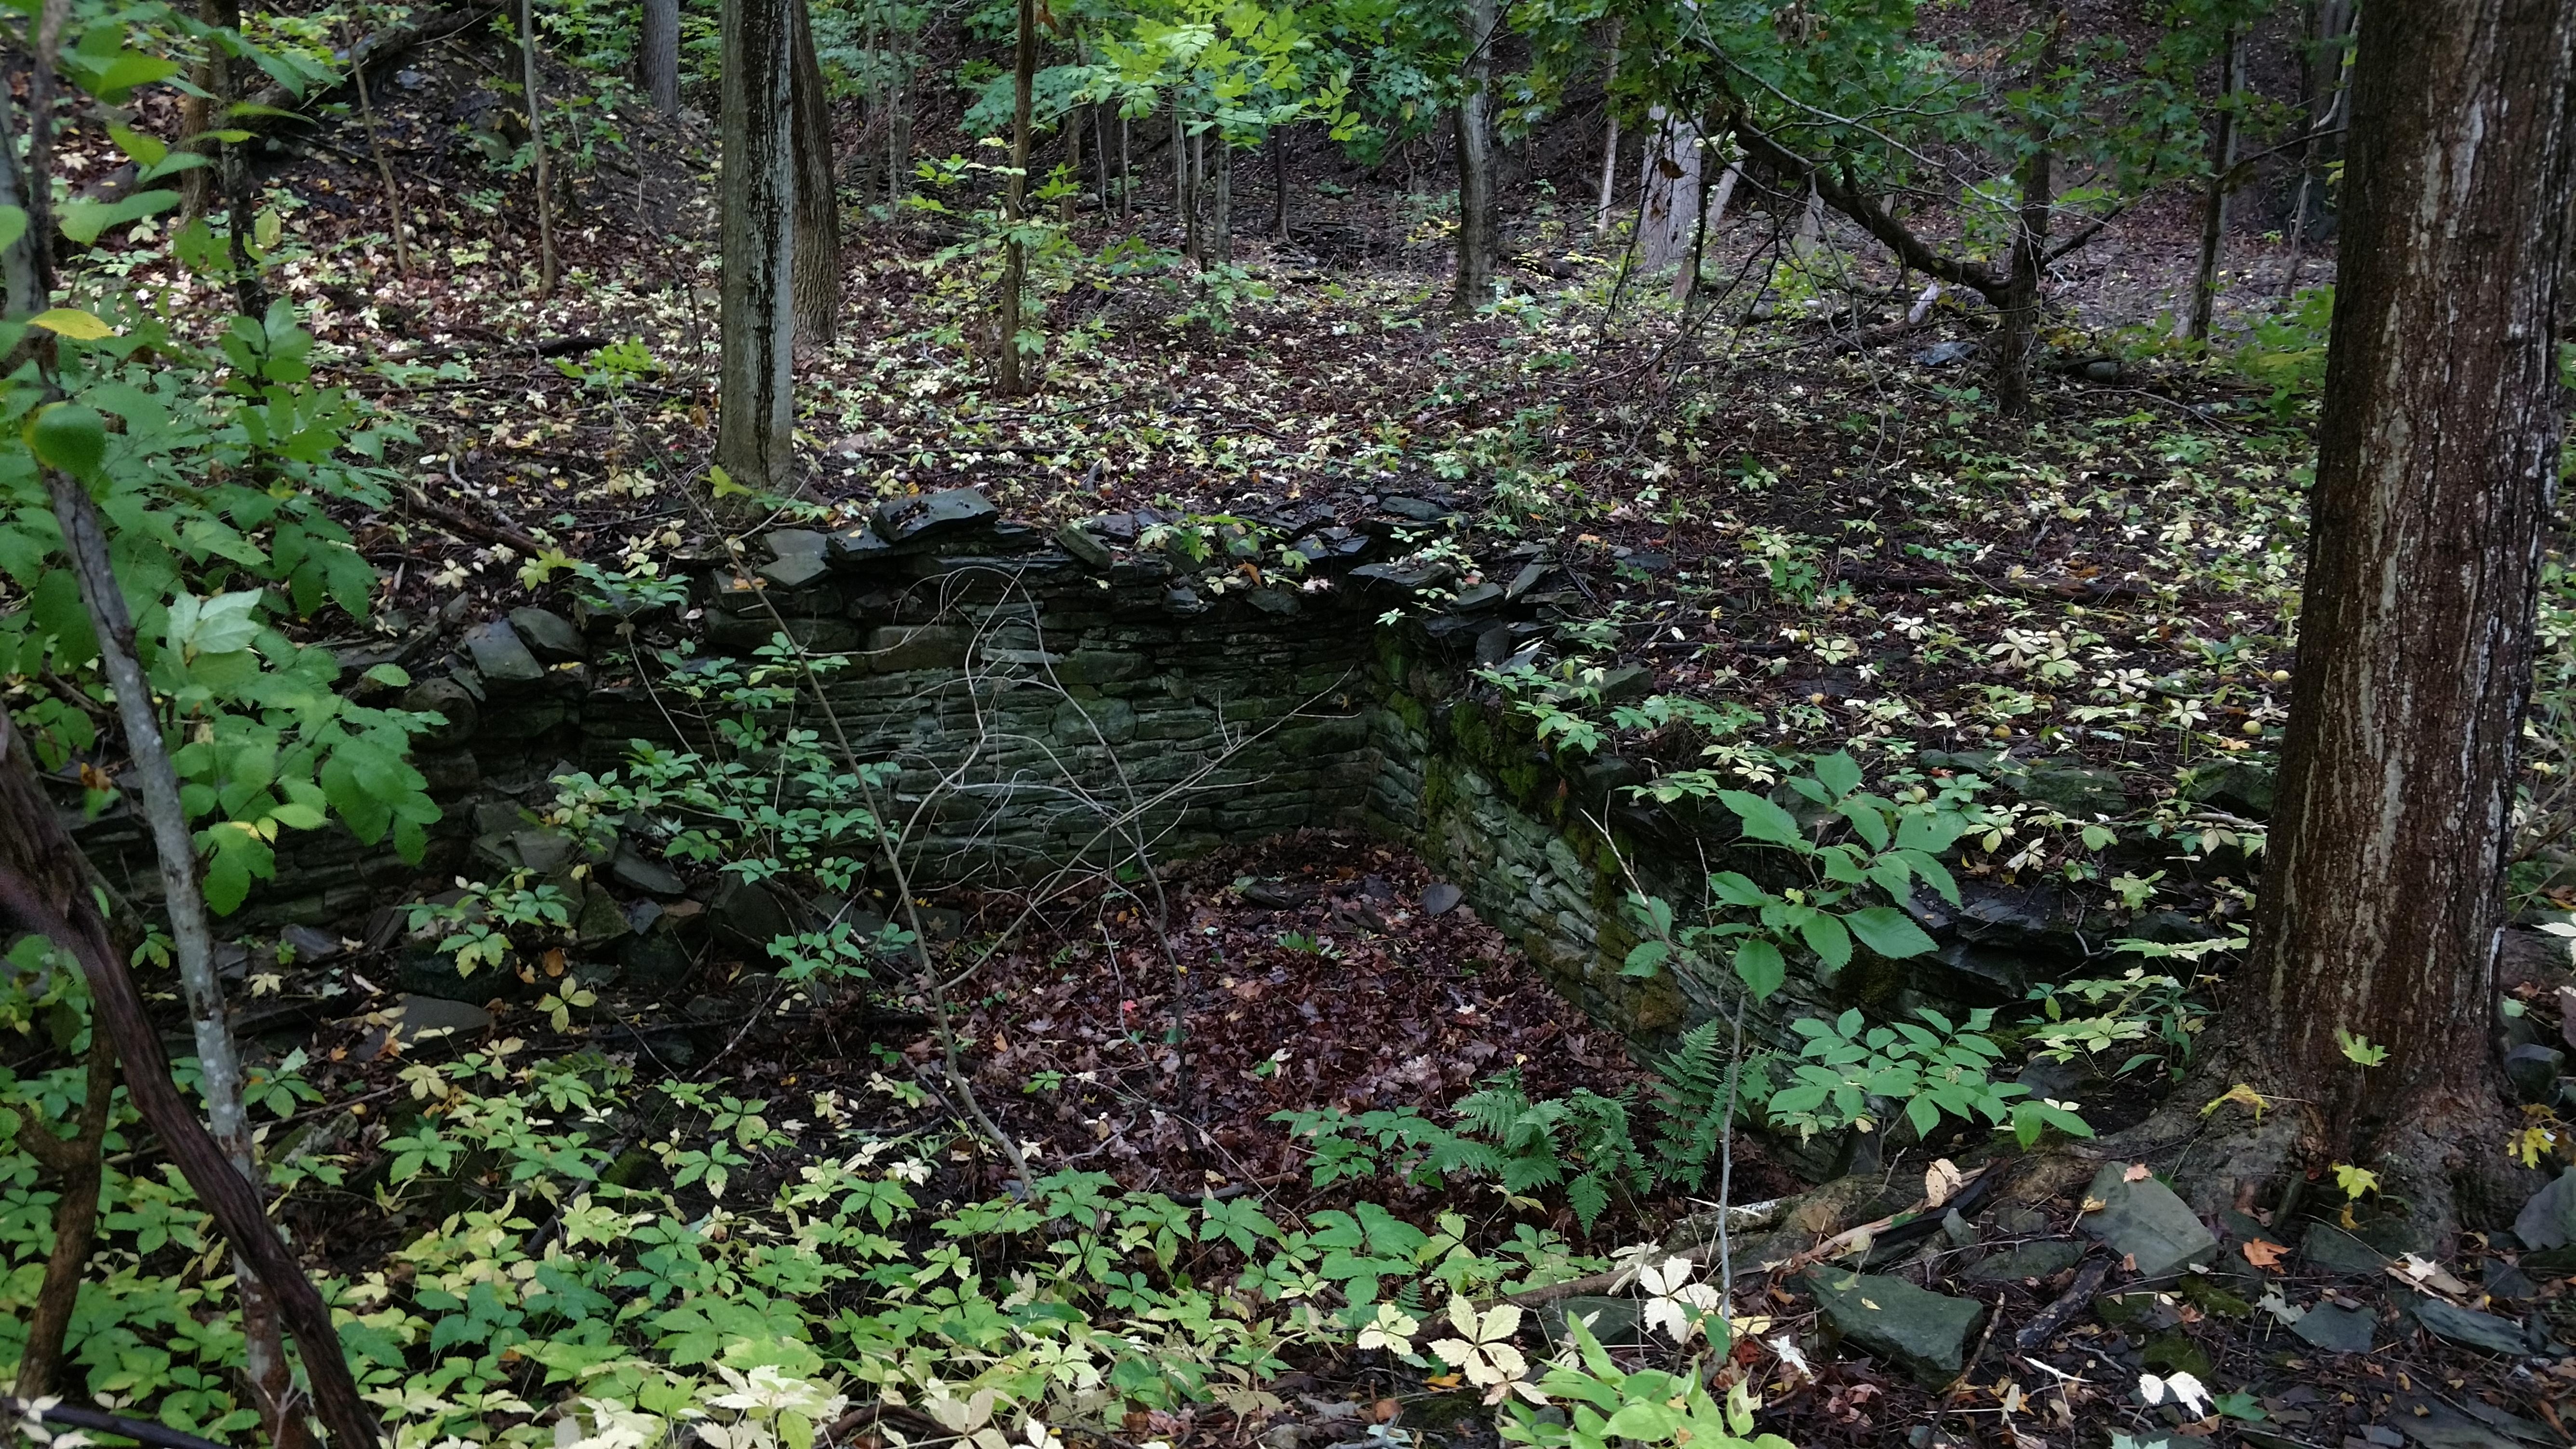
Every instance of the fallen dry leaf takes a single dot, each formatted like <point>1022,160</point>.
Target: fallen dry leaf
<point>2137,1172</point>
<point>2262,1254</point>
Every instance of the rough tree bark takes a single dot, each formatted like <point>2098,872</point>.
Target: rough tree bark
<point>658,58</point>
<point>756,428</point>
<point>1015,201</point>
<point>1475,128</point>
<point>818,195</point>
<point>2381,902</point>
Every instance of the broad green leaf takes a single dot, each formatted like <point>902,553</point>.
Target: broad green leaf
<point>145,150</point>
<point>1932,833</point>
<point>1838,772</point>
<point>1764,820</point>
<point>1889,932</point>
<point>68,436</point>
<point>1826,937</point>
<point>1646,959</point>
<point>13,225</point>
<point>1759,965</point>
<point>1866,821</point>
<point>1736,889</point>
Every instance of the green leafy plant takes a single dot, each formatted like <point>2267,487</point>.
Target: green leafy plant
<point>1607,1405</point>
<point>1927,1071</point>
<point>2089,1017</point>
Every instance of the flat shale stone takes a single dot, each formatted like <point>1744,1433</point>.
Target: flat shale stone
<point>2469,1328</point>
<point>2548,1220</point>
<point>2338,1329</point>
<point>2144,1221</point>
<point>2030,1260</point>
<point>500,656</point>
<point>1925,1334</point>
<point>549,634</point>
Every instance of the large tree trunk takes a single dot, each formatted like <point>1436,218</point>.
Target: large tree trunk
<point>1475,129</point>
<point>755,434</point>
<point>2381,905</point>
<point>659,56</point>
<point>818,195</point>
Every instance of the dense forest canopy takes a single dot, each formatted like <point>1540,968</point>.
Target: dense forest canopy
<point>1391,724</point>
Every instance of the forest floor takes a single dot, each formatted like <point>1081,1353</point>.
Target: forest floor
<point>1788,501</point>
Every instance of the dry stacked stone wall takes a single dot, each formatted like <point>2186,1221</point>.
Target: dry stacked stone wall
<point>1069,697</point>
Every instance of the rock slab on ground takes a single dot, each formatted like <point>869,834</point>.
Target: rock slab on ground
<point>2337,1329</point>
<point>1926,1334</point>
<point>548,634</point>
<point>2469,1328</point>
<point>500,656</point>
<point>2030,1260</point>
<point>2144,1221</point>
<point>2549,1219</point>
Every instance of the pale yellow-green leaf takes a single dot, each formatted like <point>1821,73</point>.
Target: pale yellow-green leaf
<point>72,322</point>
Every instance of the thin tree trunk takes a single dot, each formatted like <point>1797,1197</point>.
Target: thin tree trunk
<point>18,270</point>
<point>1100,156</point>
<point>899,122</point>
<point>2018,335</point>
<point>1279,182</point>
<point>1686,279</point>
<point>40,139</point>
<point>2213,202</point>
<point>817,281</point>
<point>1015,252</point>
<point>2382,887</point>
<point>232,166</point>
<point>755,430</point>
<point>42,891</point>
<point>1610,140</point>
<point>1073,125</point>
<point>384,168</point>
<point>659,55</point>
<point>2325,80</point>
<point>537,148</point>
<point>1126,173</point>
<point>1221,208</point>
<point>1474,127</point>
<point>191,940</point>
<point>75,1162</point>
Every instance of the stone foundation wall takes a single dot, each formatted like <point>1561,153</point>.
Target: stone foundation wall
<point>1054,702</point>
